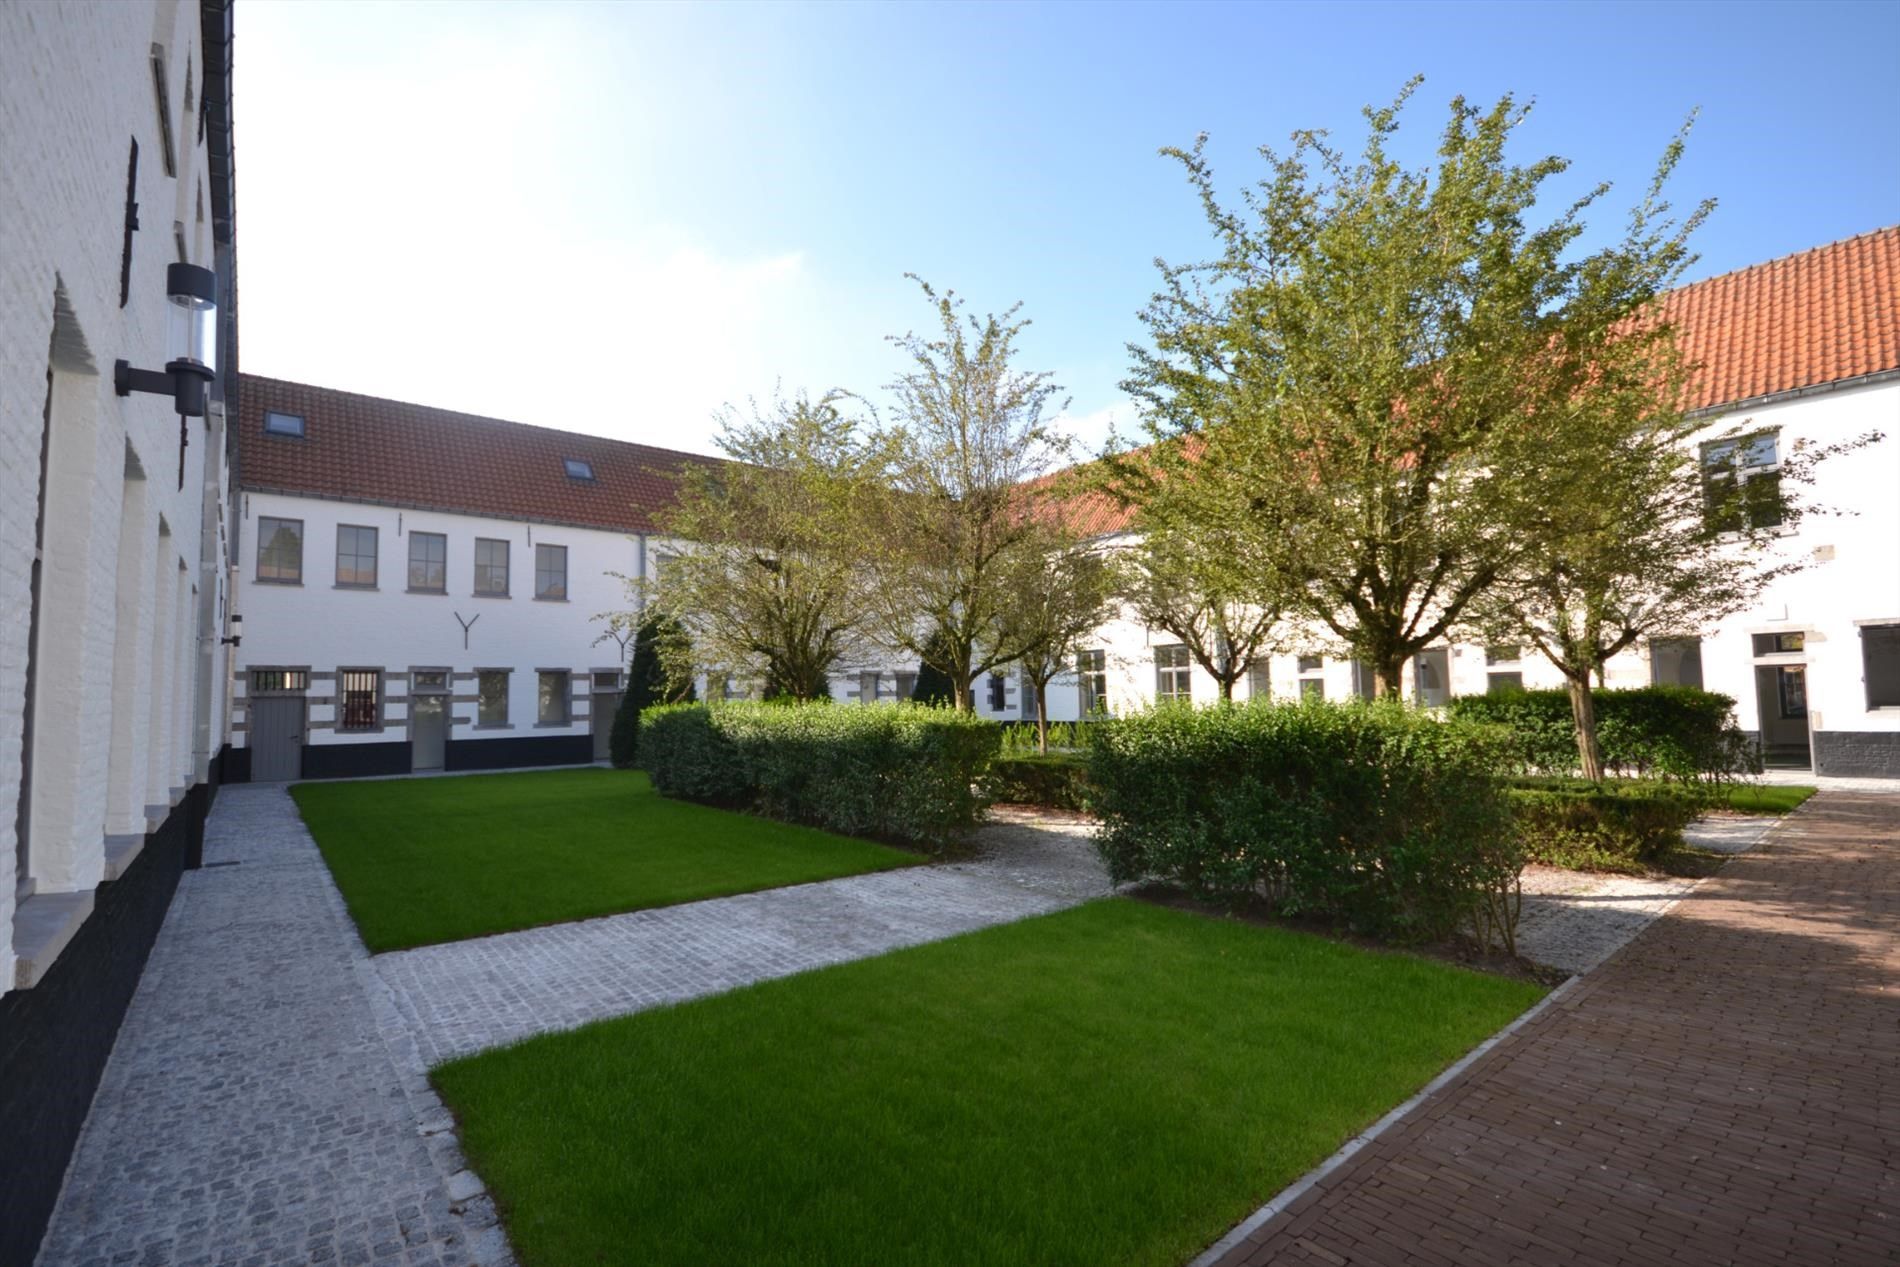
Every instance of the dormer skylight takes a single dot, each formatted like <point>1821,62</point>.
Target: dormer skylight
<point>578,470</point>
<point>276,424</point>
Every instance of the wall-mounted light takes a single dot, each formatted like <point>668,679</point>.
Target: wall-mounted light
<point>237,632</point>
<point>191,338</point>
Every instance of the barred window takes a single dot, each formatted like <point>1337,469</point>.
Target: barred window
<point>428,561</point>
<point>492,694</point>
<point>279,549</point>
<point>361,694</point>
<point>550,571</point>
<point>1173,674</point>
<point>267,681</point>
<point>356,556</point>
<point>491,566</point>
<point>552,704</point>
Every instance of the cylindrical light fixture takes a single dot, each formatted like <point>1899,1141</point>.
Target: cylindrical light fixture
<point>191,339</point>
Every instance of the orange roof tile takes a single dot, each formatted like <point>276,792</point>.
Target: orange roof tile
<point>369,449</point>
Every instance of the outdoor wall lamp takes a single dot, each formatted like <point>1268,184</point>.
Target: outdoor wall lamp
<point>191,336</point>
<point>237,632</point>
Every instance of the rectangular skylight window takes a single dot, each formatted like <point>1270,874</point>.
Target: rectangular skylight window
<point>277,424</point>
<point>577,469</point>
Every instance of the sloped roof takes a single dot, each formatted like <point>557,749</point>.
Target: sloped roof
<point>365,448</point>
<point>1821,316</point>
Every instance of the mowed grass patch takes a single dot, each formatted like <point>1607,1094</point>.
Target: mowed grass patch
<point>1117,1083</point>
<point>1765,798</point>
<point>442,859</point>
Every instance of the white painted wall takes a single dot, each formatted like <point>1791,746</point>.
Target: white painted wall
<point>125,587</point>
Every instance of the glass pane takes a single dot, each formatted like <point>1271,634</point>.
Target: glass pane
<point>553,697</point>
<point>1880,657</point>
<point>1759,450</point>
<point>431,680</point>
<point>283,424</point>
<point>494,699</point>
<point>428,561</point>
<point>279,549</point>
<point>1311,663</point>
<point>1761,500</point>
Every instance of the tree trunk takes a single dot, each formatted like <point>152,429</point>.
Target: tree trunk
<point>1226,685</point>
<point>1388,678</point>
<point>1583,711</point>
<point>963,693</point>
<point>1042,717</point>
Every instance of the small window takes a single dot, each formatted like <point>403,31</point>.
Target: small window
<point>1092,668</point>
<point>1312,663</point>
<point>552,704</point>
<point>906,685</point>
<point>1675,662</point>
<point>606,679</point>
<point>1312,688</point>
<point>492,697</point>
<point>1173,674</point>
<point>578,469</point>
<point>429,562</point>
<point>1259,678</point>
<point>355,557</point>
<point>550,572</point>
<point>1880,660</point>
<point>999,688</point>
<point>491,567</point>
<point>280,550</point>
<point>429,682</point>
<point>360,699</point>
<point>1741,483</point>
<point>278,681</point>
<point>1503,683</point>
<point>1780,643</point>
<point>1791,683</point>
<point>163,93</point>
<point>1509,653</point>
<point>276,424</point>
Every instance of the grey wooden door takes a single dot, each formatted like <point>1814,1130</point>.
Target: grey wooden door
<point>605,705</point>
<point>276,738</point>
<point>428,731</point>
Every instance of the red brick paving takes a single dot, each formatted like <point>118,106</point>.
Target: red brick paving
<point>1726,1090</point>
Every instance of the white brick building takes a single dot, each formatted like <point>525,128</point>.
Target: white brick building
<point>115,164</point>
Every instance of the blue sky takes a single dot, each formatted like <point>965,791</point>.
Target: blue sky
<point>615,217</point>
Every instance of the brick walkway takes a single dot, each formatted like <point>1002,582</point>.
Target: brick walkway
<point>1727,1090</point>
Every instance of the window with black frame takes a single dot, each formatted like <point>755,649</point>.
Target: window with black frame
<point>428,562</point>
<point>359,699</point>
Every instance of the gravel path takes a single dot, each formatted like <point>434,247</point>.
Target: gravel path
<point>1574,920</point>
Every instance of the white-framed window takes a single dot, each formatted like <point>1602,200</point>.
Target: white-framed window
<point>550,572</point>
<point>1880,664</point>
<point>491,697</point>
<point>1741,482</point>
<point>491,567</point>
<point>280,550</point>
<point>429,562</point>
<point>1312,671</point>
<point>1174,674</point>
<point>551,706</point>
<point>1091,669</point>
<point>355,557</point>
<point>359,700</point>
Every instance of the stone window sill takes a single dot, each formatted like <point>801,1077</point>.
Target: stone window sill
<point>42,925</point>
<point>482,594</point>
<point>275,580</point>
<point>371,589</point>
<point>494,725</point>
<point>553,725</point>
<point>121,851</point>
<point>421,589</point>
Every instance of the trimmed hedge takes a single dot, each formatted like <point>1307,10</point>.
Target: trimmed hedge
<point>1385,819</point>
<point>1671,732</point>
<point>905,772</point>
<point>1611,827</point>
<point>1059,780</point>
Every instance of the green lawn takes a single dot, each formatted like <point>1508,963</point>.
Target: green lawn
<point>1118,1083</point>
<point>429,860</point>
<point>1766,798</point>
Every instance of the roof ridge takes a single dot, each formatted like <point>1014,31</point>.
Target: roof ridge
<point>490,418</point>
<point>1783,259</point>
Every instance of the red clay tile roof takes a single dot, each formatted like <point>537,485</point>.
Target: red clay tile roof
<point>1823,316</point>
<point>369,449</point>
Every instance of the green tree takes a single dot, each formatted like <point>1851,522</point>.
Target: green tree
<point>933,685</point>
<point>769,580</point>
<point>962,513</point>
<point>657,639</point>
<point>1363,367</point>
<point>1062,597</point>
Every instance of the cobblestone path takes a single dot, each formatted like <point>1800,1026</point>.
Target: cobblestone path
<point>251,1113</point>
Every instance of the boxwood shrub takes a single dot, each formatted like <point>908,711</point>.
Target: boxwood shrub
<point>904,772</point>
<point>1382,818</point>
<point>1607,827</point>
<point>1671,732</point>
<point>1058,780</point>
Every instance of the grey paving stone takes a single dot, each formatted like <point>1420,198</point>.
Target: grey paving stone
<point>251,1112</point>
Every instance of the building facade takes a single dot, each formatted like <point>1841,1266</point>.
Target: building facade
<point>115,166</point>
